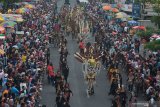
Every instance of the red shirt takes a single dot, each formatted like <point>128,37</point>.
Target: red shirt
<point>50,68</point>
<point>51,74</point>
<point>81,45</point>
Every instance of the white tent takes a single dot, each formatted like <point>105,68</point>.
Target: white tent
<point>85,1</point>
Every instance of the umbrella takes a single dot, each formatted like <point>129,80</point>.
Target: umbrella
<point>8,24</point>
<point>26,9</point>
<point>119,5</point>
<point>9,11</point>
<point>135,27</point>
<point>16,47</point>
<point>129,18</point>
<point>121,15</point>
<point>106,7</point>
<point>20,11</point>
<point>115,10</point>
<point>19,20</point>
<point>1,19</point>
<point>29,6</point>
<point>142,27</point>
<point>124,19</point>
<point>2,30</point>
<point>155,36</point>
<point>2,52</point>
<point>139,27</point>
<point>132,22</point>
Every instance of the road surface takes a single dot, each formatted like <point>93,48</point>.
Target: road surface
<point>76,80</point>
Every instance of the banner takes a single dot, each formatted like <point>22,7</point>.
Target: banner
<point>136,10</point>
<point>20,32</point>
<point>126,7</point>
<point>120,1</point>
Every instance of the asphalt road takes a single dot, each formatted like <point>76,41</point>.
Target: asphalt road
<point>76,80</point>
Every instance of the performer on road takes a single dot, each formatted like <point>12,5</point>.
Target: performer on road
<point>81,47</point>
<point>65,72</point>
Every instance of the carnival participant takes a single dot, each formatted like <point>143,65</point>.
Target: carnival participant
<point>123,95</point>
<point>130,81</point>
<point>59,82</point>
<point>64,101</point>
<point>50,69</point>
<point>132,101</point>
<point>65,72</point>
<point>58,99</point>
<point>67,91</point>
<point>63,59</point>
<point>81,47</point>
<point>114,87</point>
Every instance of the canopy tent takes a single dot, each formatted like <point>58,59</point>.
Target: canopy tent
<point>83,1</point>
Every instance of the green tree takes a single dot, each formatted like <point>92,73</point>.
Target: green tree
<point>146,34</point>
<point>153,45</point>
<point>156,8</point>
<point>158,31</point>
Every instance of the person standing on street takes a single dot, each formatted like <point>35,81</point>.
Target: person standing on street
<point>65,72</point>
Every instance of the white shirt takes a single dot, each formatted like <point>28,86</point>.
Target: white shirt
<point>125,29</point>
<point>148,90</point>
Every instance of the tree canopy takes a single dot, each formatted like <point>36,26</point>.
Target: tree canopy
<point>153,45</point>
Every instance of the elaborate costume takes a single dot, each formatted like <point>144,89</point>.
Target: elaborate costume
<point>90,66</point>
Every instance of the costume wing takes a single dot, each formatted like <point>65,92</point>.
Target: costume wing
<point>79,57</point>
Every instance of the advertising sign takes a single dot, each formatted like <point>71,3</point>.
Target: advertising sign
<point>126,7</point>
<point>136,10</point>
<point>19,32</point>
